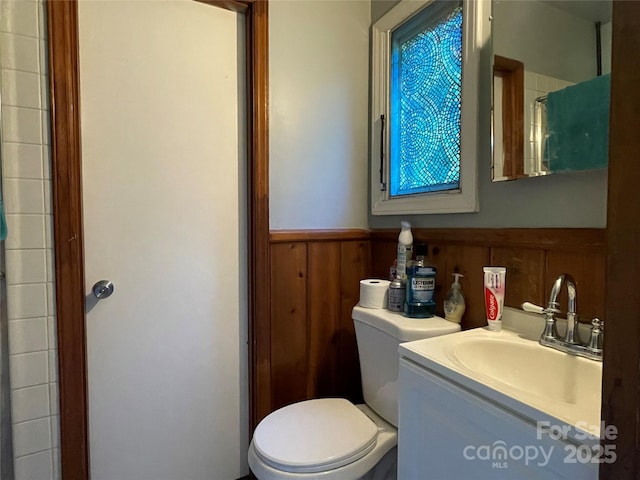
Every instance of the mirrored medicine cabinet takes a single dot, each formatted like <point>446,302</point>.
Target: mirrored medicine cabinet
<point>550,95</point>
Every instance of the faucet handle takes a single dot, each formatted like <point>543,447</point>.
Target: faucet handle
<point>550,333</point>
<point>597,333</point>
<point>532,308</point>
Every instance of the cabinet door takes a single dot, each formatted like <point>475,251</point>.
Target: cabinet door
<point>448,432</point>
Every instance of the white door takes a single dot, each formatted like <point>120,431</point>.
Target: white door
<point>163,148</point>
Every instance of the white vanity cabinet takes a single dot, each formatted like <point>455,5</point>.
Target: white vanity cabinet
<point>450,430</point>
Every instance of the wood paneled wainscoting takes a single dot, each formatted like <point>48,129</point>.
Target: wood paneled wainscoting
<point>534,258</point>
<point>315,283</point>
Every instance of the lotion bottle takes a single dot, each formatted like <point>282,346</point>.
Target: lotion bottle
<point>405,248</point>
<point>454,305</point>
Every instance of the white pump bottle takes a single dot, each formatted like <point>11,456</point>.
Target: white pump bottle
<point>405,248</point>
<point>454,305</point>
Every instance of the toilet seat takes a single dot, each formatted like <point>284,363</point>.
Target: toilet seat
<point>314,436</point>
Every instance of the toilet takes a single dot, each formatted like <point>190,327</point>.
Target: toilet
<point>333,439</point>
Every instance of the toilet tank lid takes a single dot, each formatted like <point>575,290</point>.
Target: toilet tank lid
<point>403,328</point>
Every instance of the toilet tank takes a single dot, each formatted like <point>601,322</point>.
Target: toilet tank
<point>378,333</point>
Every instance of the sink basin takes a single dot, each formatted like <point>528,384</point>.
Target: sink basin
<point>531,368</point>
<point>563,386</point>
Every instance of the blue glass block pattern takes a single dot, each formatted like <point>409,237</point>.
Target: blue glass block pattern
<point>425,98</point>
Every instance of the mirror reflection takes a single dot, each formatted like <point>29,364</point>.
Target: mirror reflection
<point>551,77</point>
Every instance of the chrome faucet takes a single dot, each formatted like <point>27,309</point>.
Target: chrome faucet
<point>571,342</point>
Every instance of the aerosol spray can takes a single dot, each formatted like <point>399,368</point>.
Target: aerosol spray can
<point>397,290</point>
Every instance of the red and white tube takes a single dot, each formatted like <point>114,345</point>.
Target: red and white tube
<point>494,283</point>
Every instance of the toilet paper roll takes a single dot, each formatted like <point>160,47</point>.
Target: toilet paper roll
<point>373,293</point>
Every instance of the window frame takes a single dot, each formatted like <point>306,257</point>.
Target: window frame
<point>475,36</point>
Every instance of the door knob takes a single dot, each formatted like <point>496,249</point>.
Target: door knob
<point>103,289</point>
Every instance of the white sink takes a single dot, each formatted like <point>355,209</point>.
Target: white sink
<point>529,367</point>
<point>560,385</point>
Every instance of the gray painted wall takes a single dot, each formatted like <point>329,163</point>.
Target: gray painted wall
<point>549,41</point>
<point>566,200</point>
<point>318,114</point>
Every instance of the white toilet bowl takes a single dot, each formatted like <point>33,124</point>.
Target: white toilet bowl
<point>333,439</point>
<point>324,439</point>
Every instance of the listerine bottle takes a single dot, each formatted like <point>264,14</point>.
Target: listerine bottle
<point>421,284</point>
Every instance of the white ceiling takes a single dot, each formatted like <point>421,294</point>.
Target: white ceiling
<point>593,10</point>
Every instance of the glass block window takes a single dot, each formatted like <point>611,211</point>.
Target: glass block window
<point>425,99</point>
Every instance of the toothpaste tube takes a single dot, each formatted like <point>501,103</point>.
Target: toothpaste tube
<point>494,280</point>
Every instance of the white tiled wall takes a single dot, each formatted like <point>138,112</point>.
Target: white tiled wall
<point>29,265</point>
<point>535,85</point>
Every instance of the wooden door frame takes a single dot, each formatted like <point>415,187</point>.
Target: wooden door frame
<point>68,226</point>
<point>512,106</point>
<point>621,367</point>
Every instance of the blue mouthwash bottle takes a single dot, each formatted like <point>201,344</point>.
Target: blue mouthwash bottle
<point>421,284</point>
